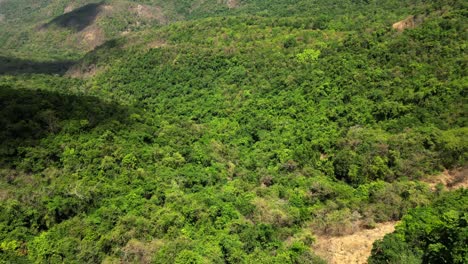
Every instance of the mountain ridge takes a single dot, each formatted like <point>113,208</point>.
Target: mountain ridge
<point>120,17</point>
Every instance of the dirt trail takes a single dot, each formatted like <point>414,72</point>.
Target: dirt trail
<point>351,249</point>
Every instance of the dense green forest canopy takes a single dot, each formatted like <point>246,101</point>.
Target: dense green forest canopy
<point>229,131</point>
<point>431,234</point>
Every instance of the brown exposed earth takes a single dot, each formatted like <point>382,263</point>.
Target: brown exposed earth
<point>232,3</point>
<point>408,23</point>
<point>107,8</point>
<point>451,179</point>
<point>404,24</point>
<point>92,36</point>
<point>150,12</point>
<point>69,8</point>
<point>351,249</point>
<point>356,248</point>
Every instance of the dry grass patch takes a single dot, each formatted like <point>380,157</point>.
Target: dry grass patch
<point>351,249</point>
<point>451,179</point>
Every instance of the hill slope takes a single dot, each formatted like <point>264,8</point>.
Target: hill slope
<point>63,29</point>
<point>226,139</point>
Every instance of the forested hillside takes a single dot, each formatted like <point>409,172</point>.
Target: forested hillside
<point>230,131</point>
<point>63,29</point>
<point>431,234</point>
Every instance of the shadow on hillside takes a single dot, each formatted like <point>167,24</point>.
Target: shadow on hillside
<point>77,19</point>
<point>19,66</point>
<point>26,116</point>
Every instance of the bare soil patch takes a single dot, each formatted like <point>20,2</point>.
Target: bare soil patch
<point>404,24</point>
<point>87,39</point>
<point>451,179</point>
<point>351,249</point>
<point>356,248</point>
<point>232,3</point>
<point>69,8</point>
<point>150,12</point>
<point>407,23</point>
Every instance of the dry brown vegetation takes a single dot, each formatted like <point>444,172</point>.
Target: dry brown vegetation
<point>150,12</point>
<point>232,3</point>
<point>407,23</point>
<point>451,179</point>
<point>69,8</point>
<point>356,245</point>
<point>351,249</point>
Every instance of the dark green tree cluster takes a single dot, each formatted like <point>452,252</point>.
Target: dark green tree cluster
<point>437,233</point>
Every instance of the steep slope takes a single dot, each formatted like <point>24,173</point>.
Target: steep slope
<point>231,139</point>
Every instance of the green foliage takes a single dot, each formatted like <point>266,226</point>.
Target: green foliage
<point>234,137</point>
<point>308,56</point>
<point>433,234</point>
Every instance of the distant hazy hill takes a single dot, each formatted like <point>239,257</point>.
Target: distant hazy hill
<point>66,29</point>
<point>61,28</point>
